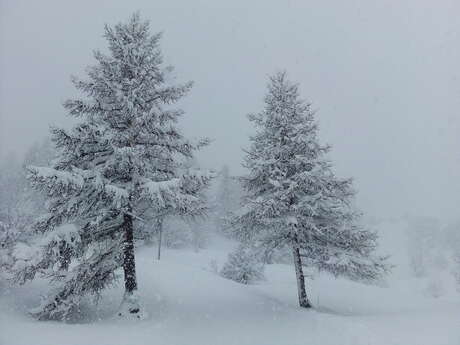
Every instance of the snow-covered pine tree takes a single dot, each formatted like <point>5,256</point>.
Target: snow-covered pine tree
<point>122,153</point>
<point>293,197</point>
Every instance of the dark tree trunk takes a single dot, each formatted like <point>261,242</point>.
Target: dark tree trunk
<point>129,265</point>
<point>303,300</point>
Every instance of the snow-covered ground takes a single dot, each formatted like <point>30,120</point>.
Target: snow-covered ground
<point>190,304</point>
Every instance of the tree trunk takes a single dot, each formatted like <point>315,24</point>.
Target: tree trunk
<point>303,300</point>
<point>160,232</point>
<point>129,265</point>
<point>130,305</point>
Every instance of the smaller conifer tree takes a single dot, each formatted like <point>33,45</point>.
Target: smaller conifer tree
<point>294,199</point>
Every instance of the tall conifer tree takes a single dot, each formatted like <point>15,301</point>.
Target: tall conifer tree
<point>293,197</point>
<point>123,154</point>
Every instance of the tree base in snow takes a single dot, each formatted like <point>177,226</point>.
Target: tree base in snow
<point>130,307</point>
<point>306,305</point>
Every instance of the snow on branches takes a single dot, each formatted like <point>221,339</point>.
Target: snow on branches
<point>125,153</point>
<point>293,198</point>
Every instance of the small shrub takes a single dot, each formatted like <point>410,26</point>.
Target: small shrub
<point>243,266</point>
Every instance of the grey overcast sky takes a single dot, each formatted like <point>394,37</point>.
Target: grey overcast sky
<point>383,75</point>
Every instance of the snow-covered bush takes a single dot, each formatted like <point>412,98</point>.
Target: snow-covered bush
<point>243,266</point>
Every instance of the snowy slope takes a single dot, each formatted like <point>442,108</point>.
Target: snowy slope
<point>189,304</point>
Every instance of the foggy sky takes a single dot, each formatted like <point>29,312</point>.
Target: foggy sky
<point>383,75</point>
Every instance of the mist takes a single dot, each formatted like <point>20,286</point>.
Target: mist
<point>141,237</point>
<point>383,76</point>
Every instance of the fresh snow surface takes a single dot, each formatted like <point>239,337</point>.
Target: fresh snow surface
<point>188,303</point>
